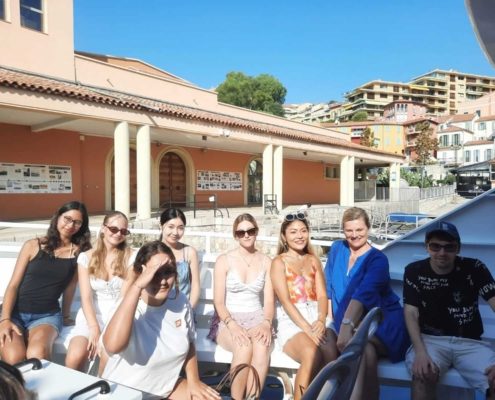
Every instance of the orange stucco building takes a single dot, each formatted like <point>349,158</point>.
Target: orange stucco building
<point>119,133</point>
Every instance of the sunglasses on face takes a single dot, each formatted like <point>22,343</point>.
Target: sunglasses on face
<point>241,233</point>
<point>70,221</point>
<point>115,230</point>
<point>298,215</point>
<point>165,273</point>
<point>448,248</point>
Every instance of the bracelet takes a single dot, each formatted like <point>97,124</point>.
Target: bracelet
<point>227,320</point>
<point>268,320</point>
<point>5,319</point>
<point>139,287</point>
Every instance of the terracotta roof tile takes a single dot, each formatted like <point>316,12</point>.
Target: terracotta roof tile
<point>477,142</point>
<point>486,118</point>
<point>26,81</point>
<point>453,128</point>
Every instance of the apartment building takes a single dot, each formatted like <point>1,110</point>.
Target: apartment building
<point>440,90</point>
<point>388,136</point>
<point>313,113</point>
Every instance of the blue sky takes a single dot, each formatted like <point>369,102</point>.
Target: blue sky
<point>318,49</point>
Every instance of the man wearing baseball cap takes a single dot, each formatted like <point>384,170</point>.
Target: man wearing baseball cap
<point>441,311</point>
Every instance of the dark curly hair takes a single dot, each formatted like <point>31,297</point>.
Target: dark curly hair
<point>82,238</point>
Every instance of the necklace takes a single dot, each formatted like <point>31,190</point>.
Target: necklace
<point>57,253</point>
<point>250,262</point>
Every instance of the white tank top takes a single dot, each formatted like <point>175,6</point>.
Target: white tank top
<point>244,297</point>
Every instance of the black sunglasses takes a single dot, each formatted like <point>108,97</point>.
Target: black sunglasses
<point>240,233</point>
<point>448,248</point>
<point>165,272</point>
<point>115,230</point>
<point>298,215</point>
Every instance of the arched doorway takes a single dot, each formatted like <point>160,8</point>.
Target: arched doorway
<point>132,180</point>
<point>172,181</point>
<point>255,182</point>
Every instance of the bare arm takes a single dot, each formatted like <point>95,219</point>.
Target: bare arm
<point>118,331</point>
<point>195,281</point>
<point>268,294</point>
<point>67,298</point>
<point>7,327</point>
<point>219,277</point>
<point>491,302</point>
<point>423,366</point>
<point>195,387</point>
<point>321,290</point>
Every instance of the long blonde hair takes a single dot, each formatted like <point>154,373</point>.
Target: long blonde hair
<point>97,261</point>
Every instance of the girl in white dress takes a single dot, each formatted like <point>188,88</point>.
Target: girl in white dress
<point>244,301</point>
<point>101,271</point>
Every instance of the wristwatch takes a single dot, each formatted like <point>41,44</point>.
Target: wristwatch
<point>347,321</point>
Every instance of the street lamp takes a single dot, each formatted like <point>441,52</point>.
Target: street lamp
<point>455,148</point>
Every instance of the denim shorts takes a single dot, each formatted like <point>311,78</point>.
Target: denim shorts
<point>28,321</point>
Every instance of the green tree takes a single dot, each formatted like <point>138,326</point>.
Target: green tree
<point>426,144</point>
<point>367,138</point>
<point>359,116</point>
<point>262,93</point>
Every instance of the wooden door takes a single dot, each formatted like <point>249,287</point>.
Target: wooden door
<point>172,181</point>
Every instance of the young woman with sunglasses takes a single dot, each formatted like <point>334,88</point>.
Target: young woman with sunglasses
<point>46,267</point>
<point>244,301</point>
<point>299,284</point>
<point>102,271</point>
<point>173,223</point>
<point>150,337</point>
<point>358,279</point>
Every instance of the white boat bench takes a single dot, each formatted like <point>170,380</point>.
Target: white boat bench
<point>281,365</point>
<point>452,385</point>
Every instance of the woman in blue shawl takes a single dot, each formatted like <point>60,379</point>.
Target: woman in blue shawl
<point>358,279</point>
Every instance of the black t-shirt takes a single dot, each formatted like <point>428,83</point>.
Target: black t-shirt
<point>448,304</point>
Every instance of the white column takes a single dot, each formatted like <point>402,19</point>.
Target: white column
<point>394,182</point>
<point>278,175</point>
<point>122,174</point>
<point>352,177</point>
<point>344,180</point>
<point>347,181</point>
<point>267,171</point>
<point>143,166</point>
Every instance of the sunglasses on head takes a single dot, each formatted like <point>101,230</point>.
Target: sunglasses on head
<point>448,248</point>
<point>241,233</point>
<point>298,215</point>
<point>115,230</point>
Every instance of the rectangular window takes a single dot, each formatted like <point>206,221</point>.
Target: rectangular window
<point>332,172</point>
<point>476,156</point>
<point>2,10</point>
<point>488,154</point>
<point>467,156</point>
<point>32,14</point>
<point>455,139</point>
<point>482,126</point>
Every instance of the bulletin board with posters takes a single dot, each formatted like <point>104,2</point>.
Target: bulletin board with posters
<point>35,178</point>
<point>218,181</point>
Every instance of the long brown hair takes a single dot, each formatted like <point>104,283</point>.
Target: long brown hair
<point>97,261</point>
<point>282,243</point>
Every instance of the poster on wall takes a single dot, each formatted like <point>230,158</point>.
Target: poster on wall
<point>218,180</point>
<point>35,178</point>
